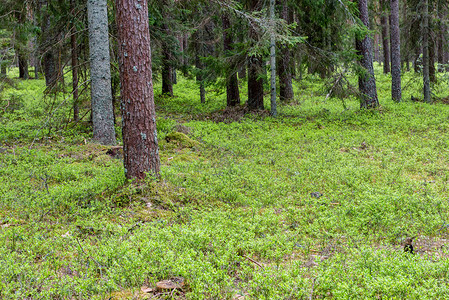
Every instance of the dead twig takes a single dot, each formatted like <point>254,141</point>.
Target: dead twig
<point>254,262</point>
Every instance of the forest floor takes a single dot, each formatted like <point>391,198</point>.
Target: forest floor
<point>313,204</point>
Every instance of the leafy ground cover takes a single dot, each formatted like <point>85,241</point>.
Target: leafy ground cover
<point>313,204</point>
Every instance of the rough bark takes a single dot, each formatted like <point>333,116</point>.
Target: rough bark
<point>255,69</point>
<point>367,82</point>
<point>100,73</point>
<point>425,36</point>
<point>385,41</point>
<point>284,63</point>
<point>140,145</point>
<point>232,86</point>
<point>396,91</point>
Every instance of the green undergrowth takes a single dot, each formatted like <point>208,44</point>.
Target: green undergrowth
<point>315,203</point>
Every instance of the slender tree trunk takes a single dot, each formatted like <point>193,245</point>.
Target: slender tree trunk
<point>284,63</point>
<point>425,35</point>
<point>367,82</point>
<point>140,145</point>
<point>49,59</point>
<point>273,111</point>
<point>100,72</point>
<point>396,91</point>
<point>376,48</point>
<point>36,61</point>
<point>167,69</point>
<point>232,85</point>
<point>74,67</point>
<point>20,46</point>
<point>199,74</point>
<point>255,70</point>
<point>432,55</point>
<point>385,42</point>
<point>416,59</point>
<point>440,45</point>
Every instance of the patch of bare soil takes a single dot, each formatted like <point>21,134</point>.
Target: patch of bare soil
<point>233,114</point>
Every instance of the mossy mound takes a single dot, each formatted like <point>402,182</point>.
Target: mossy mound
<point>181,139</point>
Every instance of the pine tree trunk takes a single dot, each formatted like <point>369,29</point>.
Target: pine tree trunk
<point>416,59</point>
<point>367,82</point>
<point>47,47</point>
<point>167,69</point>
<point>425,36</point>
<point>199,74</point>
<point>385,42</point>
<point>284,63</point>
<point>440,45</point>
<point>74,50</point>
<point>273,111</point>
<point>376,48</point>
<point>255,70</point>
<point>23,65</point>
<point>100,73</point>
<point>396,91</point>
<point>20,46</point>
<point>140,145</point>
<point>232,85</point>
<point>432,55</point>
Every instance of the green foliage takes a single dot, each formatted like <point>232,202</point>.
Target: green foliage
<point>232,212</point>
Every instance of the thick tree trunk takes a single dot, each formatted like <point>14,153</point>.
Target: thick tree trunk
<point>385,42</point>
<point>23,65</point>
<point>100,73</point>
<point>255,70</point>
<point>284,63</point>
<point>425,36</point>
<point>396,91</point>
<point>140,145</point>
<point>232,85</point>
<point>255,83</point>
<point>367,82</point>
